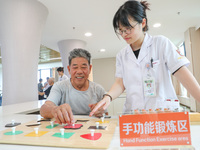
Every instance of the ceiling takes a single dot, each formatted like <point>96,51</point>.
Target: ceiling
<point>95,16</point>
<point>70,19</point>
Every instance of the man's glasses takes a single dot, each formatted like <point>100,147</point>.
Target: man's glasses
<point>127,31</point>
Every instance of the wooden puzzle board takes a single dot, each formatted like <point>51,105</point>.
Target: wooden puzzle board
<point>75,141</point>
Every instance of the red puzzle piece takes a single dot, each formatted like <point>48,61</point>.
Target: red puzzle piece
<point>76,126</point>
<point>89,137</point>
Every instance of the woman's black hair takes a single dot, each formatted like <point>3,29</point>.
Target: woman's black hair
<point>131,9</point>
<point>60,69</point>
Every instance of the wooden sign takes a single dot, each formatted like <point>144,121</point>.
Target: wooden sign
<point>155,129</point>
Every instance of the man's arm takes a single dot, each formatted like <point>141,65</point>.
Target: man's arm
<point>45,110</point>
<point>62,113</point>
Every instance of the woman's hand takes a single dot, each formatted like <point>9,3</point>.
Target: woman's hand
<point>101,106</point>
<point>99,112</point>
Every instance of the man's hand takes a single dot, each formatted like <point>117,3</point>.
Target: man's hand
<point>99,112</point>
<point>63,114</point>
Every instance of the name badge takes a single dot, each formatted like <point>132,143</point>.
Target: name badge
<point>149,86</point>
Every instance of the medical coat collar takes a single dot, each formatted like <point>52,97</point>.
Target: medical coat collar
<point>143,51</point>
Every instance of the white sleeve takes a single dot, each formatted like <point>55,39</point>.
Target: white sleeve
<point>172,58</point>
<point>65,77</point>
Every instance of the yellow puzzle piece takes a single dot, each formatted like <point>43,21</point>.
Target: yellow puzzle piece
<point>40,133</point>
<point>105,121</point>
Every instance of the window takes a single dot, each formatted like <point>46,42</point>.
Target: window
<point>44,73</point>
<point>182,49</point>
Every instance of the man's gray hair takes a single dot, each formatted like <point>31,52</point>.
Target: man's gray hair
<point>78,52</point>
<point>51,79</point>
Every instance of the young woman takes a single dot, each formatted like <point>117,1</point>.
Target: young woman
<point>61,74</point>
<point>145,65</point>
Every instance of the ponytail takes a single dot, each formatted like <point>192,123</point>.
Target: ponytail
<point>145,5</point>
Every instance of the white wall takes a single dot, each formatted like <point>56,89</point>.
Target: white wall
<point>104,74</point>
<point>104,71</point>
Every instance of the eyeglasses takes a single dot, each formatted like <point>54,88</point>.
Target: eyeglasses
<point>127,31</point>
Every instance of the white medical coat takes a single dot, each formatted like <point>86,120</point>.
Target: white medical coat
<point>64,77</point>
<point>166,60</point>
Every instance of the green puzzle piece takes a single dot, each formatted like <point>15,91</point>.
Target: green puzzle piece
<point>66,135</point>
<point>50,127</point>
<point>11,133</point>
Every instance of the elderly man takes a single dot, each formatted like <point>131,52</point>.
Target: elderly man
<point>76,95</point>
<point>47,91</point>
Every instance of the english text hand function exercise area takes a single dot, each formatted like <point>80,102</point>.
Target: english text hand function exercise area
<point>99,74</point>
